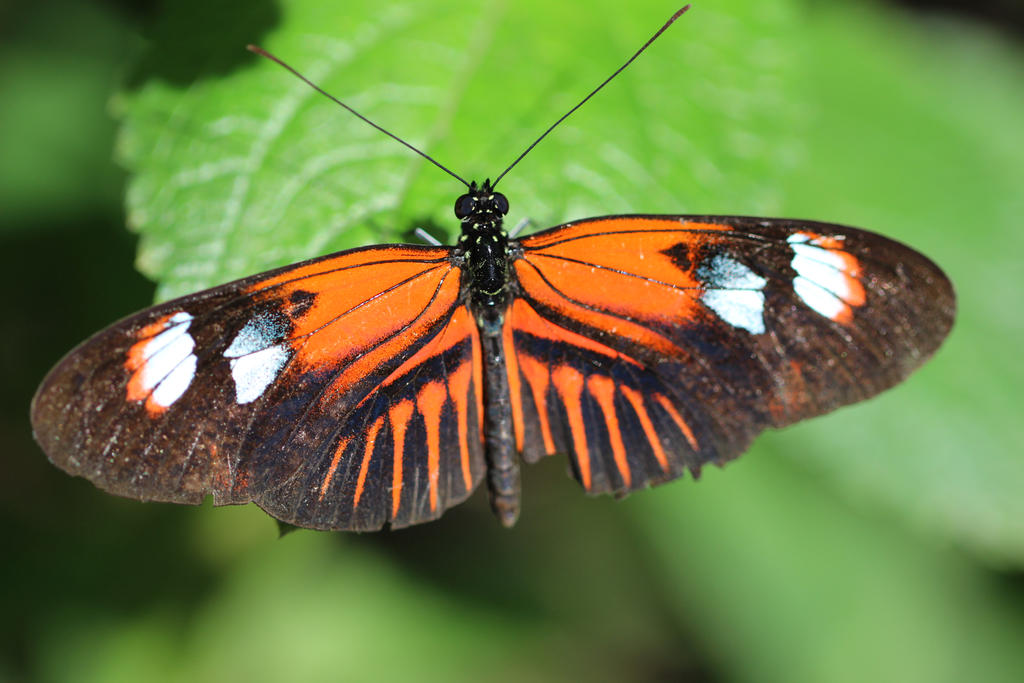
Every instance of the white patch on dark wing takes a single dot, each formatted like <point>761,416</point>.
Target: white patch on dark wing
<point>734,292</point>
<point>257,357</point>
<point>823,280</point>
<point>170,364</point>
<point>819,299</point>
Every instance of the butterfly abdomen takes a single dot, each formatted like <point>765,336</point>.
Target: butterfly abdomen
<point>500,445</point>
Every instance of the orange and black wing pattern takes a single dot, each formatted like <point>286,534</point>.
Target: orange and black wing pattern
<point>327,392</point>
<point>643,346</point>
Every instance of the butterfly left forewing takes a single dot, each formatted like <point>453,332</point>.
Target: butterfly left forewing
<point>240,390</point>
<point>743,323</point>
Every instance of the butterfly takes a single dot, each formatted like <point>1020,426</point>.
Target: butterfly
<point>379,386</point>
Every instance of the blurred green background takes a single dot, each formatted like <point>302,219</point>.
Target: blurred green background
<point>884,542</point>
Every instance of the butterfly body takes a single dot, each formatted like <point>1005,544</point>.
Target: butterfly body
<point>484,250</point>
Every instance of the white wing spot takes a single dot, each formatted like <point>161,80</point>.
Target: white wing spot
<point>256,357</point>
<point>822,279</point>
<point>170,364</point>
<point>175,329</point>
<point>257,334</point>
<point>254,372</point>
<point>819,299</point>
<point>739,308</point>
<point>734,292</point>
<point>175,384</point>
<point>824,267</point>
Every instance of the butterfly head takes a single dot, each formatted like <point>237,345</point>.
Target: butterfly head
<point>481,205</point>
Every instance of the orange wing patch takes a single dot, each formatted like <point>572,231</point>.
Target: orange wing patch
<point>539,378</point>
<point>458,390</point>
<point>523,319</point>
<point>629,277</point>
<point>606,409</point>
<point>371,441</point>
<point>399,414</point>
<point>602,388</point>
<point>333,467</point>
<point>430,400</point>
<point>460,328</point>
<point>358,326</point>
<point>637,402</point>
<point>162,364</point>
<point>568,383</point>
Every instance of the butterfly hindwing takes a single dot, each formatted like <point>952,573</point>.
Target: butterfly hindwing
<point>243,390</point>
<point>723,326</point>
<point>403,454</point>
<point>616,417</point>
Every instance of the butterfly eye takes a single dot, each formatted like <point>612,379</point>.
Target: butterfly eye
<point>464,206</point>
<point>501,203</point>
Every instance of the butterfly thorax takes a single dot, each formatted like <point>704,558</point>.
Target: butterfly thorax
<point>483,244</point>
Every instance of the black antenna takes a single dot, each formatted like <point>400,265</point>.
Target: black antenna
<point>263,53</point>
<point>593,92</point>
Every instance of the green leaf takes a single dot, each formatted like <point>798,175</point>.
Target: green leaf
<point>740,108</point>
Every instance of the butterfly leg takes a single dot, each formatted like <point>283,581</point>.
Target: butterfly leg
<point>502,459</point>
